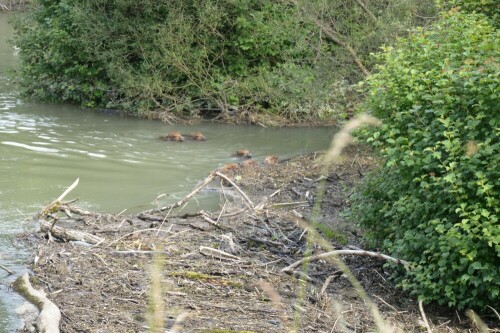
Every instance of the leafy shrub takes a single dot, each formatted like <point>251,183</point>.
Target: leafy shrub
<point>217,56</point>
<point>489,8</point>
<point>435,201</point>
<point>143,55</point>
<point>55,67</point>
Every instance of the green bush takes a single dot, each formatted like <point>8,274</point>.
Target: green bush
<point>146,55</point>
<point>54,65</point>
<point>216,56</point>
<point>435,200</point>
<point>489,8</point>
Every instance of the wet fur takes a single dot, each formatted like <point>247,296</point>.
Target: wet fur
<point>244,153</point>
<point>173,136</point>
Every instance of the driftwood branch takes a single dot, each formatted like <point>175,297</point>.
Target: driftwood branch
<point>57,202</point>
<point>69,235</point>
<point>343,252</point>
<point>249,202</point>
<point>495,311</point>
<point>477,321</point>
<point>181,202</point>
<point>136,232</point>
<point>50,315</point>
<point>68,210</point>
<point>210,252</point>
<point>424,317</point>
<point>6,269</point>
<point>145,215</point>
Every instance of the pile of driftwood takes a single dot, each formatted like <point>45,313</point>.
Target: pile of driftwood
<point>50,224</point>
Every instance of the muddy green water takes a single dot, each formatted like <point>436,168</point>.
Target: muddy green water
<point>120,162</point>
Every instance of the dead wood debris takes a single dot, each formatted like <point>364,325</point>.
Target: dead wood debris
<point>50,315</point>
<point>222,270</point>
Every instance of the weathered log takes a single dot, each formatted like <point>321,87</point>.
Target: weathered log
<point>50,315</point>
<point>68,234</point>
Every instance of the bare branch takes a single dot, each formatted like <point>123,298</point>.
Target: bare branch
<point>57,202</point>
<point>337,253</point>
<point>249,202</point>
<point>337,39</point>
<point>197,189</point>
<point>6,269</point>
<point>208,251</point>
<point>367,11</point>
<point>424,317</point>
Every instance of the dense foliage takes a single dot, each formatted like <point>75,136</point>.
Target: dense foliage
<point>435,201</point>
<point>219,56</point>
<point>490,8</point>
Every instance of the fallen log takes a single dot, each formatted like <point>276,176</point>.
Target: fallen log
<point>50,315</point>
<point>68,234</point>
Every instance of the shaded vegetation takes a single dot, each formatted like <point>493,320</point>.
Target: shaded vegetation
<point>223,58</point>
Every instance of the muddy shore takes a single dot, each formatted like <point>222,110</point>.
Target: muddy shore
<point>221,271</point>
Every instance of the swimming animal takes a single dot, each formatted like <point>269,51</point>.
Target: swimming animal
<point>244,153</point>
<point>196,136</point>
<point>173,136</point>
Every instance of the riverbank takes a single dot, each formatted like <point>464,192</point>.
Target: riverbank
<point>226,271</point>
<point>233,118</point>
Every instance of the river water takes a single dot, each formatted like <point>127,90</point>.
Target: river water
<point>120,162</point>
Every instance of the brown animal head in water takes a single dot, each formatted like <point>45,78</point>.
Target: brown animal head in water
<point>229,169</point>
<point>244,153</point>
<point>271,160</point>
<point>173,136</point>
<point>198,136</point>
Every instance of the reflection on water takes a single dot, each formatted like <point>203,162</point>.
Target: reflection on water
<point>120,161</point>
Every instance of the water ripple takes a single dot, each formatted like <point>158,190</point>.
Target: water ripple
<point>38,149</point>
<point>96,155</point>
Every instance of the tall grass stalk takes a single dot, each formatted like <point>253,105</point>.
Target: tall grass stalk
<point>156,304</point>
<point>339,142</point>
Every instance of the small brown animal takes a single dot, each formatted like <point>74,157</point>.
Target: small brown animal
<point>271,160</point>
<point>229,169</point>
<point>197,136</point>
<point>249,163</point>
<point>173,136</point>
<point>244,153</point>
